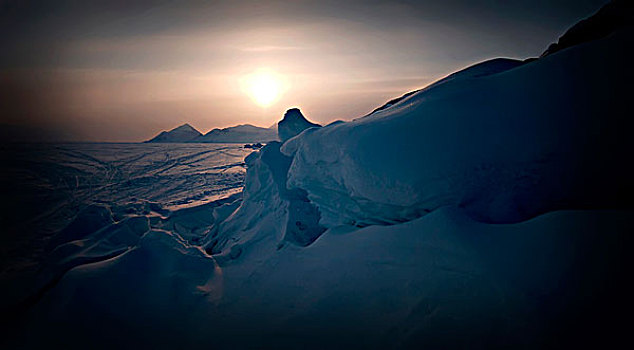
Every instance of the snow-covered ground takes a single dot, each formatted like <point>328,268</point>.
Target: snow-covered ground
<point>489,210</point>
<point>47,187</point>
<point>172,175</point>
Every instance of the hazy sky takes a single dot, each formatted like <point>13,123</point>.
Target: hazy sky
<point>124,70</point>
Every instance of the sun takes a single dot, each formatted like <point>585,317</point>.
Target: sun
<point>264,86</point>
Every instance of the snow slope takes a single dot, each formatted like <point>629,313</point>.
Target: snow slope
<point>549,134</point>
<point>490,210</point>
<point>496,65</point>
<point>183,133</point>
<point>615,15</point>
<point>443,280</point>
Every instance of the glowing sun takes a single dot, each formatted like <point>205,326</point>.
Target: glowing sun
<point>264,87</point>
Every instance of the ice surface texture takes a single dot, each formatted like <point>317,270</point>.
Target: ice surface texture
<point>58,194</point>
<point>385,232</point>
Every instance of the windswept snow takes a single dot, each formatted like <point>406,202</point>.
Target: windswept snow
<point>548,134</point>
<point>443,280</point>
<point>493,66</point>
<point>72,200</point>
<point>270,215</point>
<point>488,210</point>
<point>149,292</point>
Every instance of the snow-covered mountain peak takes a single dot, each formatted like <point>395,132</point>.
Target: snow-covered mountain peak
<point>185,127</point>
<point>182,133</point>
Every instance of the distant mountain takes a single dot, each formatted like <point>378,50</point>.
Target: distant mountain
<point>245,133</point>
<point>183,133</point>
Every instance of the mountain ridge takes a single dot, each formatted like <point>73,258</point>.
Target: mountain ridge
<point>181,133</point>
<point>242,133</point>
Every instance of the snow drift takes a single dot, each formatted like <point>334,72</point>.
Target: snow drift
<point>384,232</point>
<point>269,211</point>
<point>526,139</point>
<point>617,14</point>
<point>443,280</point>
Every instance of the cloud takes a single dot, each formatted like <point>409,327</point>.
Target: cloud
<point>110,65</point>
